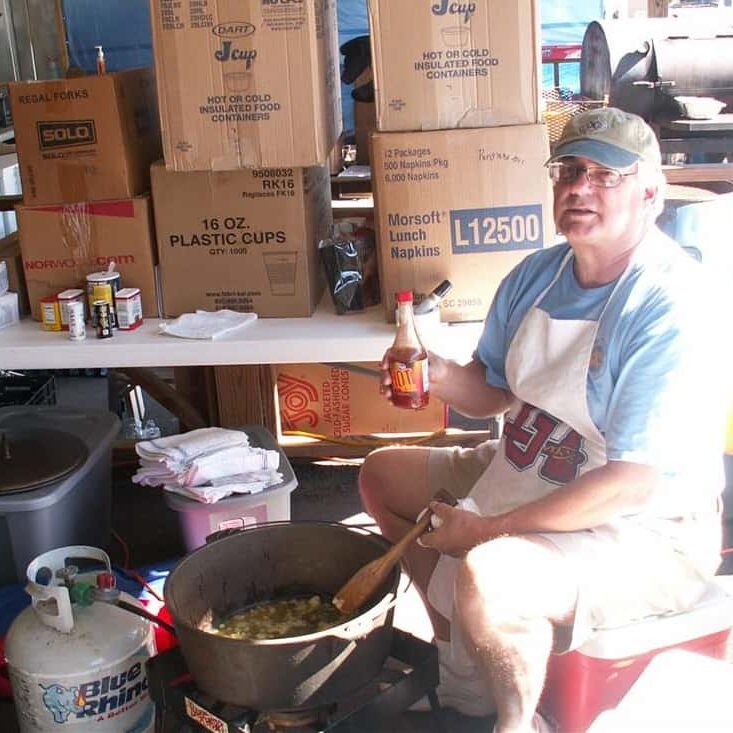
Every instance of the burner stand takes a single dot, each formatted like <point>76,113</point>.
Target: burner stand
<point>410,673</point>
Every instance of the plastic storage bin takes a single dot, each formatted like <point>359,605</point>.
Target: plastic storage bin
<point>198,520</point>
<point>596,676</point>
<point>73,510</point>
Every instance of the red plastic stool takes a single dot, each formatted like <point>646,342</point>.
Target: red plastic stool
<point>583,683</point>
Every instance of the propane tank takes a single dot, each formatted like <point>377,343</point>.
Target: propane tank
<point>76,660</point>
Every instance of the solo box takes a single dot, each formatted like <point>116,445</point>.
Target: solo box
<point>246,240</point>
<point>62,244</point>
<point>343,399</point>
<point>90,138</point>
<point>442,64</point>
<point>461,205</point>
<point>247,84</point>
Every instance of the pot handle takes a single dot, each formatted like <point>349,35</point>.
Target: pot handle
<point>362,624</point>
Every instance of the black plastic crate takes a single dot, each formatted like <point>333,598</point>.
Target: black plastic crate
<point>24,389</point>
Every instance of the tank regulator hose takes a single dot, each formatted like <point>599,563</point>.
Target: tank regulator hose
<point>146,615</point>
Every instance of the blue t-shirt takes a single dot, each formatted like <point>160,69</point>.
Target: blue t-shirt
<point>655,361</point>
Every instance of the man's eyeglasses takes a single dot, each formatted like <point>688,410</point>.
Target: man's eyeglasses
<point>595,175</point>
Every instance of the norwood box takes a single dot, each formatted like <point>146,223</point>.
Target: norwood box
<point>443,64</point>
<point>62,244</point>
<point>246,240</point>
<point>461,205</point>
<point>90,138</point>
<point>247,83</point>
<point>343,399</point>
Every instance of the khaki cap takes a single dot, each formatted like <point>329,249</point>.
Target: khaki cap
<point>608,136</point>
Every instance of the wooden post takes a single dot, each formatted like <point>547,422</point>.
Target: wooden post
<point>246,396</point>
<point>197,385</point>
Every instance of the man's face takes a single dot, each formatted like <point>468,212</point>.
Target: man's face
<point>593,215</point>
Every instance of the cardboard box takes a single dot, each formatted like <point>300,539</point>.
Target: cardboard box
<point>462,205</point>
<point>10,255</point>
<point>247,84</point>
<point>365,122</point>
<point>62,244</point>
<point>344,399</point>
<point>91,138</point>
<point>441,65</point>
<point>246,239</point>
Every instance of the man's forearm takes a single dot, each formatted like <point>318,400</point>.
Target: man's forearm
<point>597,497</point>
<point>464,388</point>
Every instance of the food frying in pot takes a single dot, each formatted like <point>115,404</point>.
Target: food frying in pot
<point>282,618</point>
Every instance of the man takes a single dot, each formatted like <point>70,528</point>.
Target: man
<point>599,505</point>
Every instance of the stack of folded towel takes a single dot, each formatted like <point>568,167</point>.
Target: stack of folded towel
<point>207,464</point>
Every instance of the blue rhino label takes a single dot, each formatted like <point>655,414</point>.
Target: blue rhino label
<point>113,699</point>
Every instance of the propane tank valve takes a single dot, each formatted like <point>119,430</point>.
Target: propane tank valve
<point>67,574</point>
<point>82,594</point>
<point>106,589</point>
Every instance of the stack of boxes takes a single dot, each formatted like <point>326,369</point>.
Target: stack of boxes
<point>460,192</point>
<point>248,96</point>
<point>250,108</point>
<point>84,147</point>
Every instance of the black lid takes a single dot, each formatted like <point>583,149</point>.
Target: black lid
<point>31,458</point>
<point>443,288</point>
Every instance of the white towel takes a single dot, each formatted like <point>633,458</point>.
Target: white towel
<point>186,447</point>
<point>250,483</point>
<point>228,463</point>
<point>208,467</point>
<point>207,324</point>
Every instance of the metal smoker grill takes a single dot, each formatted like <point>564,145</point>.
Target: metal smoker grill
<point>640,65</point>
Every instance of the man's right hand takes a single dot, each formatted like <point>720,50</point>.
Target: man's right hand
<point>458,530</point>
<point>385,386</point>
<point>438,369</point>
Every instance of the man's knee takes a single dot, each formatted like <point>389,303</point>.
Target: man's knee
<point>372,474</point>
<point>511,577</point>
<point>487,577</point>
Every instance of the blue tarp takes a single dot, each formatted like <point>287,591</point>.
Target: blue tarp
<point>353,21</point>
<point>563,23</point>
<point>122,27</point>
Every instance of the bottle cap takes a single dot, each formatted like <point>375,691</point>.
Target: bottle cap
<point>443,288</point>
<point>404,296</point>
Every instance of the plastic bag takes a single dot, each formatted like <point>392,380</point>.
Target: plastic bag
<point>349,257</point>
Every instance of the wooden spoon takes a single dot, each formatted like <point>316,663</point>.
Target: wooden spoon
<point>365,582</point>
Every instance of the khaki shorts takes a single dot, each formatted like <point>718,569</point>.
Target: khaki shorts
<point>456,470</point>
<point>626,571</point>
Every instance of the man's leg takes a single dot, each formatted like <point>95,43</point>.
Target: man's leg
<point>395,487</point>
<point>510,593</point>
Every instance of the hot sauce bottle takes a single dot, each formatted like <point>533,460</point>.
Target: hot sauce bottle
<point>408,359</point>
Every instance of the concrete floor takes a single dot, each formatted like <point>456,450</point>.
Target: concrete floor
<point>326,491</point>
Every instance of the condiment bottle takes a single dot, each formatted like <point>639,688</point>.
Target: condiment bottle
<point>101,62</point>
<point>408,359</point>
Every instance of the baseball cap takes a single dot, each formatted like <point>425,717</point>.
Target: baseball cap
<point>608,136</point>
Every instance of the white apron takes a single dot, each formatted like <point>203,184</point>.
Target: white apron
<point>540,449</point>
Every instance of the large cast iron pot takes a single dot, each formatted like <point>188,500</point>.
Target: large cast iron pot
<point>263,563</point>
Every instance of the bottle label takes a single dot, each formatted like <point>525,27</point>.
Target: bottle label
<point>409,378</point>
